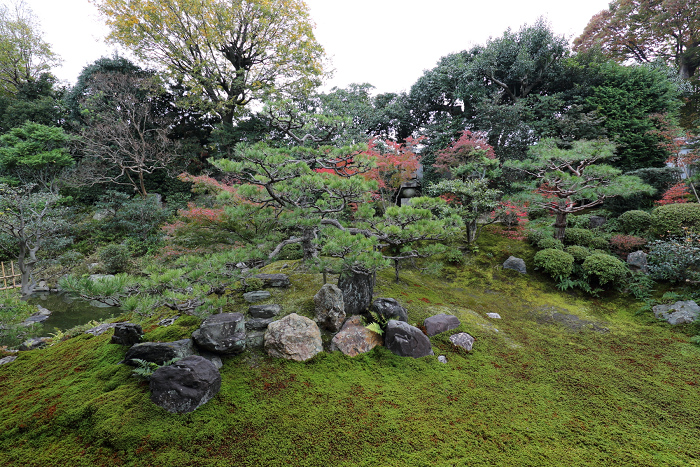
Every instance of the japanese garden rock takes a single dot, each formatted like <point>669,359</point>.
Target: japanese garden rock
<point>596,221</point>
<point>41,287</point>
<point>223,333</point>
<point>6,360</point>
<point>256,296</point>
<point>442,359</point>
<point>255,339</point>
<point>681,312</point>
<point>274,280</point>
<point>462,340</point>
<point>127,334</point>
<point>264,311</point>
<point>213,358</point>
<point>389,308</point>
<point>97,277</point>
<point>293,337</point>
<point>254,324</point>
<point>38,317</point>
<point>101,329</point>
<point>34,343</point>
<point>357,292</point>
<point>637,260</point>
<point>405,340</point>
<point>516,264</point>
<point>159,352</point>
<point>168,321</point>
<point>440,323</point>
<point>354,339</point>
<point>493,315</point>
<point>330,308</point>
<point>185,385</point>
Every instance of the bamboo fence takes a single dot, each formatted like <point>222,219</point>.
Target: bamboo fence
<point>9,276</point>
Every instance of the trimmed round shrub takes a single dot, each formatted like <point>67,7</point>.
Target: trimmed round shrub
<point>672,218</point>
<point>115,257</point>
<point>579,222</point>
<point>599,243</point>
<point>635,221</point>
<point>579,253</point>
<point>534,236</point>
<point>557,263</point>
<point>605,268</point>
<point>576,236</point>
<point>550,243</point>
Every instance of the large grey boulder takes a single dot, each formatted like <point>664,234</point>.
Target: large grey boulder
<point>681,312</point>
<point>127,334</point>
<point>330,308</point>
<point>185,385</point>
<point>264,311</point>
<point>293,337</point>
<point>406,341</point>
<point>389,308</point>
<point>462,340</point>
<point>440,323</point>
<point>357,292</point>
<point>159,352</point>
<point>354,339</point>
<point>223,334</point>
<point>274,280</point>
<point>516,264</point>
<point>637,260</point>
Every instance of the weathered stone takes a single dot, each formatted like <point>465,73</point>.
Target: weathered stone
<point>104,303</point>
<point>440,323</point>
<point>357,292</point>
<point>405,340</point>
<point>516,264</point>
<point>6,360</point>
<point>493,315</point>
<point>127,334</point>
<point>101,329</point>
<point>97,277</point>
<point>442,359</point>
<point>257,323</point>
<point>681,312</point>
<point>637,261</point>
<point>223,333</point>
<point>596,221</point>
<point>38,317</point>
<point>293,337</point>
<point>330,308</point>
<point>42,286</point>
<point>389,308</point>
<point>34,343</point>
<point>264,311</point>
<point>185,385</point>
<point>159,352</point>
<point>256,296</point>
<point>168,321</point>
<point>463,340</point>
<point>255,339</point>
<point>213,358</point>
<point>354,339</point>
<point>274,280</point>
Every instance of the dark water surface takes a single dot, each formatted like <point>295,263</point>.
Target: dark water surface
<point>68,311</point>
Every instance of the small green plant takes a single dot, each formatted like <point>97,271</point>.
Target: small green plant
<point>676,259</point>
<point>145,369</point>
<point>672,218</point>
<point>115,257</point>
<point>375,327</point>
<point>599,243</point>
<point>555,262</point>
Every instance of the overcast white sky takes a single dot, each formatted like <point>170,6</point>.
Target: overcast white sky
<point>387,43</point>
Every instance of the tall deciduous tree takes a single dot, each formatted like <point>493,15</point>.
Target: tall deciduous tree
<point>226,52</point>
<point>644,30</point>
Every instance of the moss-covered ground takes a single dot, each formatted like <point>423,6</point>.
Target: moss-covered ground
<point>561,379</point>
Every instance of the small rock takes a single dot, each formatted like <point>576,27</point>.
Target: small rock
<point>516,264</point>
<point>440,323</point>
<point>6,360</point>
<point>293,337</point>
<point>264,311</point>
<point>168,321</point>
<point>389,308</point>
<point>274,280</point>
<point>256,296</point>
<point>637,260</point>
<point>185,385</point>
<point>681,312</point>
<point>596,221</point>
<point>127,334</point>
<point>493,315</point>
<point>97,277</point>
<point>34,343</point>
<point>223,333</point>
<point>463,340</point>
<point>256,324</point>
<point>406,341</point>
<point>159,352</point>
<point>254,339</point>
<point>330,308</point>
<point>442,359</point>
<point>101,329</point>
<point>354,339</point>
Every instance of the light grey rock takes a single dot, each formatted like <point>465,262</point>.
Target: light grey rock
<point>159,352</point>
<point>440,323</point>
<point>354,339</point>
<point>293,337</point>
<point>6,360</point>
<point>97,277</point>
<point>34,343</point>
<point>516,264</point>
<point>127,334</point>
<point>637,260</point>
<point>462,340</point>
<point>493,315</point>
<point>101,329</point>
<point>185,385</point>
<point>223,334</point>
<point>357,292</point>
<point>256,296</point>
<point>168,321</point>
<point>264,311</point>
<point>389,308</point>
<point>406,341</point>
<point>274,280</point>
<point>330,308</point>
<point>681,312</point>
<point>442,359</point>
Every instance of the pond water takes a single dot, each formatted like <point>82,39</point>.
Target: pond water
<point>68,311</point>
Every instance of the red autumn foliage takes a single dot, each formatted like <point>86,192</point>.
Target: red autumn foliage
<point>622,245</point>
<point>394,163</point>
<point>677,194</point>
<point>469,147</point>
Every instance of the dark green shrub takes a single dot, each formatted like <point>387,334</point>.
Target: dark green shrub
<point>635,222</point>
<point>577,236</point>
<point>671,218</point>
<point>661,178</point>
<point>579,253</point>
<point>536,212</point>
<point>555,262</point>
<point>676,259</point>
<point>115,257</point>
<point>604,268</point>
<point>549,243</point>
<point>292,251</point>
<point>579,222</point>
<point>599,243</point>
<point>535,235</point>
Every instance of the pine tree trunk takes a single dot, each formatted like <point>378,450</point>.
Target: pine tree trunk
<point>560,225</point>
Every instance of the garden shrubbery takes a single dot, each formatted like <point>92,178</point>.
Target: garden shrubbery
<point>550,243</point>
<point>579,253</point>
<point>555,262</point>
<point>672,218</point>
<point>578,236</point>
<point>635,222</point>
<point>676,259</point>
<point>604,268</point>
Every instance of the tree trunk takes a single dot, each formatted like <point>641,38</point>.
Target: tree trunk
<point>560,225</point>
<point>308,246</point>
<point>26,261</point>
<point>396,270</point>
<point>471,231</point>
